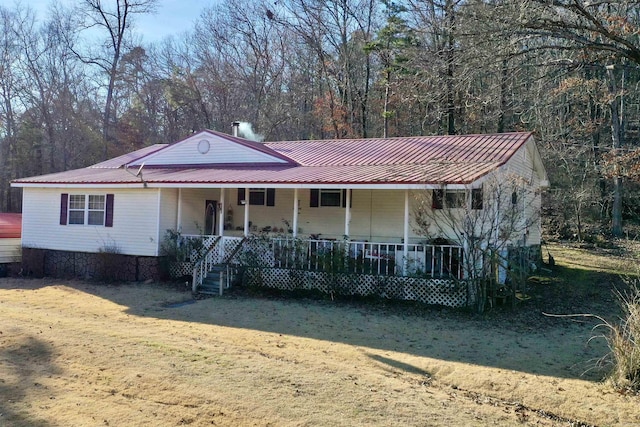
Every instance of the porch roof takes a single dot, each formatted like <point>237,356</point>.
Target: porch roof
<point>358,163</point>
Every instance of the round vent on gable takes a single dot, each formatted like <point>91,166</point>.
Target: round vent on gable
<point>203,146</point>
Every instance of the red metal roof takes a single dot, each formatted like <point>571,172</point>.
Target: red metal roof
<point>10,225</point>
<point>406,150</point>
<point>458,159</point>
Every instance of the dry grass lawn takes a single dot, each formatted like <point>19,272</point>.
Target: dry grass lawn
<point>82,354</point>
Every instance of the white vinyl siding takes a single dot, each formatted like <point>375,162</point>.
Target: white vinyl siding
<point>221,151</point>
<point>134,230</point>
<point>9,250</point>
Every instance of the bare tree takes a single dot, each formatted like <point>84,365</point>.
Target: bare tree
<point>490,222</point>
<point>114,18</point>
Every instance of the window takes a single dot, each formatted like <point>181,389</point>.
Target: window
<point>76,208</point>
<point>455,199</point>
<point>91,209</point>
<point>258,196</point>
<point>328,198</point>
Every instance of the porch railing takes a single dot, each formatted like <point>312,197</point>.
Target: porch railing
<point>437,261</point>
<point>387,259</point>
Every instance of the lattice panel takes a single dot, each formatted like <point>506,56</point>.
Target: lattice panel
<point>179,269</point>
<point>430,291</point>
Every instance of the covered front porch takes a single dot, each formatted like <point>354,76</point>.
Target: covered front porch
<point>290,233</point>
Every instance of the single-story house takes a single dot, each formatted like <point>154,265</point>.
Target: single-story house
<point>354,196</point>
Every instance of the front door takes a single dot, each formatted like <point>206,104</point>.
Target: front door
<point>210,217</point>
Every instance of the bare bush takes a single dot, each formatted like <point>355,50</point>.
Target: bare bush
<point>622,340</point>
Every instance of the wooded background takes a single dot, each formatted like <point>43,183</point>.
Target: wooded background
<point>77,87</point>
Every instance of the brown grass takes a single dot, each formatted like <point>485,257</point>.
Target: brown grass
<point>73,353</point>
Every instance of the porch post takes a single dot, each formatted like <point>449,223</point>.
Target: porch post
<point>179,215</point>
<point>246,212</point>
<point>347,214</point>
<point>406,232</point>
<point>295,212</point>
<point>222,210</point>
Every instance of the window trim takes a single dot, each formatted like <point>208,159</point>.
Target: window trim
<point>441,197</point>
<point>315,197</point>
<point>269,196</point>
<point>106,210</point>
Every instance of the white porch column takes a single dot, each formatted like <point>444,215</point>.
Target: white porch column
<point>347,214</point>
<point>179,215</point>
<point>246,212</point>
<point>221,214</point>
<point>296,206</point>
<point>406,232</point>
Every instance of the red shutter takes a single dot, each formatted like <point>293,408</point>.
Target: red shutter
<point>314,198</point>
<point>108,220</point>
<point>64,207</point>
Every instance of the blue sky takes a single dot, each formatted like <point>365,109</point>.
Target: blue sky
<point>173,17</point>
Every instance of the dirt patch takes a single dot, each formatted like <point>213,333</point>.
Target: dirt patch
<point>74,353</point>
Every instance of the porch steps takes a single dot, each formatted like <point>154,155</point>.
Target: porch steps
<point>211,283</point>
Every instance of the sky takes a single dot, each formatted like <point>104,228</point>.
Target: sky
<point>173,17</point>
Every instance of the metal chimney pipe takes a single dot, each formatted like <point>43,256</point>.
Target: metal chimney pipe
<point>235,126</point>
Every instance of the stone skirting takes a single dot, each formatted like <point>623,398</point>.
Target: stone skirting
<point>89,266</point>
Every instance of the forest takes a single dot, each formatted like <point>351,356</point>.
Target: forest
<point>78,86</point>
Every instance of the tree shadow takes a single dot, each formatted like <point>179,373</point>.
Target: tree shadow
<point>25,361</point>
<point>521,339</point>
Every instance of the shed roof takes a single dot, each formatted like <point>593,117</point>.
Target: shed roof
<point>456,159</point>
<point>10,225</point>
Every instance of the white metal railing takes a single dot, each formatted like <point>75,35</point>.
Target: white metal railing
<point>368,257</point>
<point>437,261</point>
<point>216,253</point>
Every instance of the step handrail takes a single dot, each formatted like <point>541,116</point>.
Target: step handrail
<point>202,265</point>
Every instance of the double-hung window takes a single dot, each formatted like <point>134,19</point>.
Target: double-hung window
<point>456,199</point>
<point>258,196</point>
<point>328,197</point>
<point>86,209</point>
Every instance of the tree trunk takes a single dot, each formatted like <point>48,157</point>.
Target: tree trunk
<point>616,133</point>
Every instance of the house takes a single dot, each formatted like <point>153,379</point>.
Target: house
<point>10,231</point>
<point>357,196</point>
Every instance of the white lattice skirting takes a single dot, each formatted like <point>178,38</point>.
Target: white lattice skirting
<point>180,269</point>
<point>445,292</point>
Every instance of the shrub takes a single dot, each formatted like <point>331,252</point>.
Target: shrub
<point>622,340</point>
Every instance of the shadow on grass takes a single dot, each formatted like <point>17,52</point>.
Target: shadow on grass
<point>396,365</point>
<point>25,361</point>
<point>521,339</point>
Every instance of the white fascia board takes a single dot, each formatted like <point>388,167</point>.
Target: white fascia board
<point>151,185</point>
<point>312,185</point>
<point>67,185</point>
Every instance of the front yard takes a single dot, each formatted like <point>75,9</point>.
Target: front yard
<point>75,353</point>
